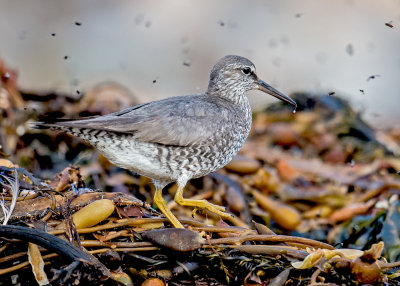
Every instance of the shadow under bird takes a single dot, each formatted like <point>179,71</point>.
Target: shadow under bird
<point>179,138</point>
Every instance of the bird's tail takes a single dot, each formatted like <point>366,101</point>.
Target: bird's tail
<point>39,125</point>
<point>58,125</point>
<point>89,135</point>
<point>53,125</point>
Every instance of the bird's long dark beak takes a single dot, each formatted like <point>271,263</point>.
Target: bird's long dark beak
<point>265,87</point>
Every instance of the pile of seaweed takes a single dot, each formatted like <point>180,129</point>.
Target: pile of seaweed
<point>314,198</point>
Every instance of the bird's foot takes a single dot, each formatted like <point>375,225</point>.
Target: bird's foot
<point>203,204</point>
<point>200,204</point>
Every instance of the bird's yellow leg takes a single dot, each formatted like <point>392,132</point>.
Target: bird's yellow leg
<point>159,201</point>
<point>202,204</point>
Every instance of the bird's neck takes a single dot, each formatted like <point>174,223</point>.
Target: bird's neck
<point>228,90</point>
<point>236,96</point>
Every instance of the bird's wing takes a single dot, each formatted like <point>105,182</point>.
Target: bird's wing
<point>178,121</point>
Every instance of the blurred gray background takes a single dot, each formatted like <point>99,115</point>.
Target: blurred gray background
<point>296,45</point>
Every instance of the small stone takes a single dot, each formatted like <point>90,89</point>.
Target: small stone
<point>178,239</point>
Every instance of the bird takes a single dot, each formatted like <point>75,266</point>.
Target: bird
<point>176,139</point>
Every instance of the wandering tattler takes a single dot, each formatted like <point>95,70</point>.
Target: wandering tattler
<point>179,138</point>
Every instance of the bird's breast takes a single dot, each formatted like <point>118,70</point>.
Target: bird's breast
<point>223,146</point>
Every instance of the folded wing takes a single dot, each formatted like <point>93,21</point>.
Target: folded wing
<point>179,121</point>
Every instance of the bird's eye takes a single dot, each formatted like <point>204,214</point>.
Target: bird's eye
<point>246,70</point>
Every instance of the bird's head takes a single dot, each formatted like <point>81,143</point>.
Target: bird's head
<point>232,76</point>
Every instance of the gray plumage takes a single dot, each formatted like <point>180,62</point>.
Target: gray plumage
<point>179,138</point>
